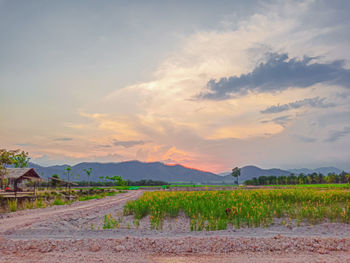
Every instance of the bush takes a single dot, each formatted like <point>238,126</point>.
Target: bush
<point>28,204</point>
<point>58,202</point>
<point>12,205</point>
<point>39,203</point>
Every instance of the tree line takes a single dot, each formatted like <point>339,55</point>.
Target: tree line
<point>106,183</point>
<point>314,178</point>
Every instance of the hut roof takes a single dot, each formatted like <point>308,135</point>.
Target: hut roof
<point>23,173</point>
<point>62,181</point>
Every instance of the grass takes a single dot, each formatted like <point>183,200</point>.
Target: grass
<point>110,222</point>
<point>12,204</point>
<point>46,198</point>
<point>214,210</point>
<point>203,185</point>
<point>39,203</point>
<point>58,201</point>
<point>323,186</point>
<point>98,196</point>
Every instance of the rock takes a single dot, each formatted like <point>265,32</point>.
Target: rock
<point>94,247</point>
<point>119,248</point>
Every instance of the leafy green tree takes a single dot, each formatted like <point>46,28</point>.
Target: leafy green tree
<point>343,177</point>
<point>11,157</point>
<point>236,172</point>
<point>118,180</point>
<point>20,160</point>
<point>102,178</point>
<point>347,178</point>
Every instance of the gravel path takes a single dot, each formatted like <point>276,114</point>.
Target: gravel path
<point>71,233</point>
<point>24,219</point>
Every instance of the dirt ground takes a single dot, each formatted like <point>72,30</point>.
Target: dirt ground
<point>73,233</point>
<point>88,257</point>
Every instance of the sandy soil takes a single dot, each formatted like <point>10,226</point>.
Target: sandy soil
<point>92,257</point>
<point>73,233</point>
<point>25,218</point>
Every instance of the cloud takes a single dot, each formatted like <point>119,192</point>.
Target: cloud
<point>279,73</point>
<point>64,139</point>
<point>305,139</point>
<point>103,146</point>
<point>336,135</point>
<point>25,144</point>
<point>156,107</point>
<point>282,120</point>
<point>311,102</point>
<point>128,144</point>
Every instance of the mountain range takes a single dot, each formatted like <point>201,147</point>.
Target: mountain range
<point>135,170</point>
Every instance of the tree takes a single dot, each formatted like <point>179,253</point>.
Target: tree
<point>118,180</point>
<point>68,172</point>
<point>20,160</point>
<point>343,177</point>
<point>88,173</point>
<point>102,178</point>
<point>54,182</point>
<point>236,172</point>
<point>12,157</point>
<point>77,176</point>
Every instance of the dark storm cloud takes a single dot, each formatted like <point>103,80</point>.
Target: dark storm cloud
<point>336,135</point>
<point>127,144</point>
<point>312,102</point>
<point>278,73</point>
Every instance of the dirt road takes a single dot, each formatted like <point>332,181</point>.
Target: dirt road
<point>24,219</point>
<point>73,233</point>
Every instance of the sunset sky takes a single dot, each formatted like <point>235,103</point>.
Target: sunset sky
<point>207,84</point>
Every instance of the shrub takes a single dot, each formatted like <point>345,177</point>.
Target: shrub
<point>12,205</point>
<point>58,202</point>
<point>39,203</point>
<point>27,204</point>
<point>110,222</point>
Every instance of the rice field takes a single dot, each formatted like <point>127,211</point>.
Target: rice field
<point>214,210</point>
<point>320,186</point>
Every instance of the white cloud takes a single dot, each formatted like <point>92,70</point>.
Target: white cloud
<point>216,134</point>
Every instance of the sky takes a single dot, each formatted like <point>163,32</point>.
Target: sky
<point>206,84</point>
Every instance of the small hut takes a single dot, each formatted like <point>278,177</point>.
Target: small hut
<point>16,176</point>
<point>60,181</point>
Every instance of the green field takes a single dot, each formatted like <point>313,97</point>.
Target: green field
<point>214,210</point>
<point>323,186</point>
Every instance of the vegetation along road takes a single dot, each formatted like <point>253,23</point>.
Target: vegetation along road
<point>103,230</point>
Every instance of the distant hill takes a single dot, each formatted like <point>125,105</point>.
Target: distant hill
<point>135,170</point>
<point>248,172</point>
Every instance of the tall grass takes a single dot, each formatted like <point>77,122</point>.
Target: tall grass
<point>321,186</point>
<point>97,196</point>
<point>58,201</point>
<point>12,204</point>
<point>39,203</point>
<point>213,210</point>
